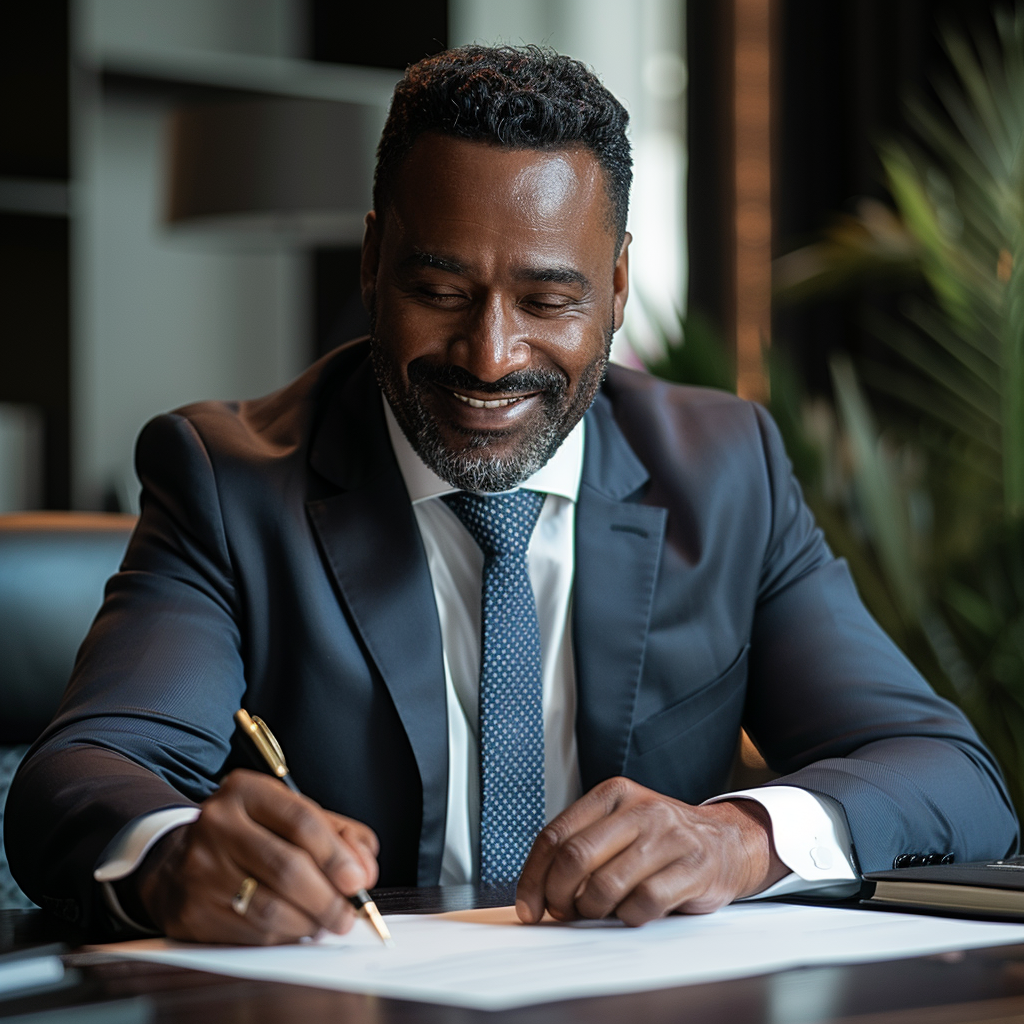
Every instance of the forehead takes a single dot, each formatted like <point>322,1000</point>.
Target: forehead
<point>522,198</point>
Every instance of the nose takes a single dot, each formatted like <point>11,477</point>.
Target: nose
<point>491,344</point>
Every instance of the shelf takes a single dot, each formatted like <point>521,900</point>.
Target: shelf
<point>191,70</point>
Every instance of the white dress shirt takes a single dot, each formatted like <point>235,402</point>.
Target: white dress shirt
<point>810,832</point>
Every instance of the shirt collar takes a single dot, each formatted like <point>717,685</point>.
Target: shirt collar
<point>559,475</point>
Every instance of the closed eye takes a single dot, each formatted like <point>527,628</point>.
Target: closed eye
<point>442,298</point>
<point>549,304</point>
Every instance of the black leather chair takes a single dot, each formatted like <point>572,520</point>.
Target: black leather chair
<point>53,566</point>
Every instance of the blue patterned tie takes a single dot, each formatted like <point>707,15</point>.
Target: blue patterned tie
<point>511,713</point>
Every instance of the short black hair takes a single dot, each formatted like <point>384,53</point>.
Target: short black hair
<point>516,97</point>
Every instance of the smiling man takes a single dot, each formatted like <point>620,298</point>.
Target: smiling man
<point>505,606</point>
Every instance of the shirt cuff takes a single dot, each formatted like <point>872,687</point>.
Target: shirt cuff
<point>811,838</point>
<point>128,849</point>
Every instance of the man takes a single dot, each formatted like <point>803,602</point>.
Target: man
<point>519,587</point>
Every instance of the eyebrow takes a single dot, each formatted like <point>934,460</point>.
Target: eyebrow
<point>552,275</point>
<point>546,274</point>
<point>419,258</point>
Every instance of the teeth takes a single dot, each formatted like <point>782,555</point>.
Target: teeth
<point>496,403</point>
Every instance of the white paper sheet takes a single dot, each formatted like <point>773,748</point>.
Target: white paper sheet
<point>487,960</point>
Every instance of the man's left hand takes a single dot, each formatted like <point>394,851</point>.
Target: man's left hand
<point>626,850</point>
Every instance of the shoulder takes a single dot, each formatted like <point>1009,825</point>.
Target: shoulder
<point>270,427</point>
<point>674,424</point>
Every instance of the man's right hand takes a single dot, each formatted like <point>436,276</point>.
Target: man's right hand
<point>305,859</point>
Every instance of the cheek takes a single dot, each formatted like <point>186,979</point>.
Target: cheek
<point>406,331</point>
<point>582,350</point>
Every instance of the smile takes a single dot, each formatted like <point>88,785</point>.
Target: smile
<point>494,403</point>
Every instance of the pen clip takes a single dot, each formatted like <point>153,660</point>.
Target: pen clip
<point>264,740</point>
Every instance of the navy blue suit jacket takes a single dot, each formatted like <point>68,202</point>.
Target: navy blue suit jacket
<point>277,565</point>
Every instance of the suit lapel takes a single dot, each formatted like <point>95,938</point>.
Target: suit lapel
<point>372,544</point>
<point>618,548</point>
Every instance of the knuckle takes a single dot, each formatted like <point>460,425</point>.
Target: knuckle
<point>647,902</point>
<point>227,786</point>
<point>650,900</point>
<point>605,889</point>
<point>550,836</point>
<point>575,853</point>
<point>337,859</point>
<point>366,837</point>
<point>268,914</point>
<point>304,823</point>
<point>656,815</point>
<point>618,788</point>
<point>236,782</point>
<point>211,816</point>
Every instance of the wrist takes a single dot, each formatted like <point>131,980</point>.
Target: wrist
<point>755,828</point>
<point>146,893</point>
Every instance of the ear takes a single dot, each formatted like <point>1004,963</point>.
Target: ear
<point>620,282</point>
<point>370,260</point>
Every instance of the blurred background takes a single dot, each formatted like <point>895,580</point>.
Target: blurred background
<point>122,299</point>
<point>828,216</point>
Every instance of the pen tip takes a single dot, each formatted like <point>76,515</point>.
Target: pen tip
<point>370,908</point>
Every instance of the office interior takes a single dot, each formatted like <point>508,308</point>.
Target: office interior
<point>134,279</point>
<point>113,314</point>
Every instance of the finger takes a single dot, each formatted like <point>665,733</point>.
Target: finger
<point>674,888</point>
<point>363,840</point>
<point>207,914</point>
<point>289,871</point>
<point>356,831</point>
<point>307,826</point>
<point>269,919</point>
<point>611,883</point>
<point>230,826</point>
<point>583,854</point>
<point>531,892</point>
<point>274,919</point>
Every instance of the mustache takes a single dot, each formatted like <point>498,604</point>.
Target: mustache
<point>518,382</point>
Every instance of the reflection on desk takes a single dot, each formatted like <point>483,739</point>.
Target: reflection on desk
<point>983,985</point>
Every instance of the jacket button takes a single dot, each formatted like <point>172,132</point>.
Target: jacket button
<point>902,861</point>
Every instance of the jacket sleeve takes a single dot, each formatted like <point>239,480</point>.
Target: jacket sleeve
<point>836,707</point>
<point>146,720</point>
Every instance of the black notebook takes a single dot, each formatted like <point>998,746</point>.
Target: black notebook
<point>993,888</point>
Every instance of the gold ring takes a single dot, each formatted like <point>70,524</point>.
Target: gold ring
<point>241,900</point>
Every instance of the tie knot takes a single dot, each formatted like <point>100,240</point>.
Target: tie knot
<point>500,523</point>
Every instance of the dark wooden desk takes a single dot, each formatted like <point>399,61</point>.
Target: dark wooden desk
<point>960,988</point>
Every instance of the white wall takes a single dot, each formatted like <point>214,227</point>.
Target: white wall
<point>638,51</point>
<point>271,28</point>
<point>157,323</point>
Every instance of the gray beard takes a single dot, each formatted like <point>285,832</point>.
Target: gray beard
<point>475,468</point>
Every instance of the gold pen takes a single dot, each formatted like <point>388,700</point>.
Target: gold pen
<point>270,750</point>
